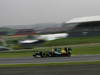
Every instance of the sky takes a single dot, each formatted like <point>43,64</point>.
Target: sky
<point>25,12</point>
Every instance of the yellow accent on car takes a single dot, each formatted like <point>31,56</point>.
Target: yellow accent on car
<point>63,51</point>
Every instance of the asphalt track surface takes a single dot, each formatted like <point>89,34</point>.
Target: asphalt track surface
<point>84,69</point>
<point>32,60</point>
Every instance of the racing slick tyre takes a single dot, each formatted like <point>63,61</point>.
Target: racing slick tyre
<point>37,56</point>
<point>69,54</point>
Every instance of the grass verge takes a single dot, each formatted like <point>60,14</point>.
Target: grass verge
<point>72,41</point>
<point>16,54</point>
<point>86,50</point>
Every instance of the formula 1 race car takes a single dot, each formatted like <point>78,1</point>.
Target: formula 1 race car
<point>55,52</point>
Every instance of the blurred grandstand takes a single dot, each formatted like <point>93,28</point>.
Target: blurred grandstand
<point>84,26</point>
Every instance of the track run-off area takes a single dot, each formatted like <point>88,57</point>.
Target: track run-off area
<point>32,60</point>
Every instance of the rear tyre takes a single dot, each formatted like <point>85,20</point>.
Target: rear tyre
<point>69,54</point>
